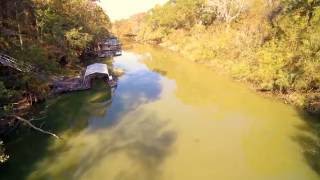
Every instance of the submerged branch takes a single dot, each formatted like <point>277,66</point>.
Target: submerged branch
<point>34,127</point>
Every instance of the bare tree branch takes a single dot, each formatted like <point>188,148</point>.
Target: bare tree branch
<point>34,127</point>
<point>228,10</point>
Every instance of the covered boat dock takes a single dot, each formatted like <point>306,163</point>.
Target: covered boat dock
<point>93,71</point>
<point>96,70</point>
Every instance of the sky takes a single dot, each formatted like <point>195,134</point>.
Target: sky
<point>120,9</point>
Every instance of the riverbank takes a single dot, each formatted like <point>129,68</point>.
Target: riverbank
<point>30,112</point>
<point>272,46</point>
<point>48,36</point>
<point>64,115</point>
<point>307,101</point>
<point>163,116</point>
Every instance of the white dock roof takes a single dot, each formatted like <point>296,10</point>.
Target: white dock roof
<point>96,68</point>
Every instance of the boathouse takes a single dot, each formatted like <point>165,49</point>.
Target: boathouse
<point>96,70</point>
<point>109,47</point>
<point>93,71</point>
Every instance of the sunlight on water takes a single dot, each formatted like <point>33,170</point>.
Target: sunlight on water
<point>171,119</point>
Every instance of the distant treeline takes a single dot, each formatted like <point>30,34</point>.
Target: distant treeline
<point>272,44</point>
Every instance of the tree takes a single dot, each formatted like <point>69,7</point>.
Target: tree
<point>228,10</point>
<point>38,33</point>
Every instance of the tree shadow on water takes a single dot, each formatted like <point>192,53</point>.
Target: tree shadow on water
<point>66,115</point>
<point>146,143</point>
<point>309,140</point>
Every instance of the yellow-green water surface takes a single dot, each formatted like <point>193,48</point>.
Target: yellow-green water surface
<point>170,119</point>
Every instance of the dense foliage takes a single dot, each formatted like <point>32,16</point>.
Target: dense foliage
<point>41,34</point>
<point>273,44</point>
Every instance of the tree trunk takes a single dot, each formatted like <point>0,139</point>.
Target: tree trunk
<point>19,27</point>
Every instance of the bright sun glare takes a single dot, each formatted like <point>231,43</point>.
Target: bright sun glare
<point>120,9</point>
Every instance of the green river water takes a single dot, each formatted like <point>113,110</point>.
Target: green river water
<point>169,119</point>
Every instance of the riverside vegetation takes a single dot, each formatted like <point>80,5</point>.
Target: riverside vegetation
<point>273,45</point>
<point>50,36</point>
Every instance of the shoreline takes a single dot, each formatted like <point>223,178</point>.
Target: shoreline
<point>292,98</point>
<point>26,106</point>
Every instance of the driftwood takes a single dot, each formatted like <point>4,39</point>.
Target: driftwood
<point>34,127</point>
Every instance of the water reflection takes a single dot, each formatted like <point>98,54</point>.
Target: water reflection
<point>172,119</point>
<point>66,116</point>
<point>143,144</point>
<point>220,99</point>
<point>138,86</point>
<point>309,140</point>
<point>231,99</point>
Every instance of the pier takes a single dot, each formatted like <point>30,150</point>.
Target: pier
<point>93,71</point>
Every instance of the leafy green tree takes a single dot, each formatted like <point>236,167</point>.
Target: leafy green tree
<point>77,39</point>
<point>273,44</point>
<point>38,33</point>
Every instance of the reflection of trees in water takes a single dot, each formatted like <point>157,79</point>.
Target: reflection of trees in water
<point>195,84</point>
<point>309,140</point>
<point>159,71</point>
<point>67,114</point>
<point>73,110</point>
<point>146,142</point>
<point>133,91</point>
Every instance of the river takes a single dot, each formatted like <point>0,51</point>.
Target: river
<point>169,119</point>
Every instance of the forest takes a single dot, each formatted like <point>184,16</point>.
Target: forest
<point>48,35</point>
<point>272,45</point>
<point>231,85</point>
